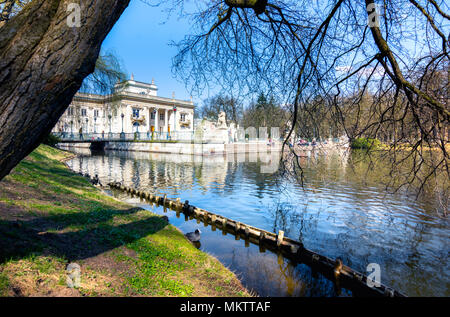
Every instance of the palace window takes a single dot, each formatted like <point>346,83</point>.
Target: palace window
<point>70,111</point>
<point>95,113</point>
<point>152,115</point>
<point>183,117</point>
<point>135,112</point>
<point>161,116</point>
<point>83,112</point>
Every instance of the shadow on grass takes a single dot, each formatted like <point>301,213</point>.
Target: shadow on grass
<point>85,235</point>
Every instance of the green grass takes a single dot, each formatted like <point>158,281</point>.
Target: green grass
<point>59,217</point>
<point>4,284</point>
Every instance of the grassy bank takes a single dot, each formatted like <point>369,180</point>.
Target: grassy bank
<point>50,217</point>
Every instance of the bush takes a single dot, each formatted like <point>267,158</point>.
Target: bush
<point>365,143</point>
<point>51,140</point>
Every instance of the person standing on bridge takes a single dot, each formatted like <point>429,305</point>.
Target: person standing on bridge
<point>81,133</point>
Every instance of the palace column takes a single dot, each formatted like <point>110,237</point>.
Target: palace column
<point>175,120</point>
<point>156,120</point>
<point>166,121</point>
<point>147,122</point>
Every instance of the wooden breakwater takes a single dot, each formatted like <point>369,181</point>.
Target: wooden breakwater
<point>342,275</point>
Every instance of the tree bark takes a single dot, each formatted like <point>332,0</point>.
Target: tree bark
<point>43,61</point>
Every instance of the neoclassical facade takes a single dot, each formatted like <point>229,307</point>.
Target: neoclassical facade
<point>134,107</point>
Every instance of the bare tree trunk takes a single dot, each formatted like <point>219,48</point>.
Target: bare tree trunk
<point>43,61</point>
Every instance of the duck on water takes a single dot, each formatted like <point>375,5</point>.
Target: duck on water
<point>193,236</point>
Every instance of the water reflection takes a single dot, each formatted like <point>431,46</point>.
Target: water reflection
<point>338,213</point>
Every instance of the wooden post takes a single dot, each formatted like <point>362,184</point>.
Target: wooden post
<point>224,226</point>
<point>280,238</point>
<point>337,273</point>
<point>389,292</point>
<point>205,218</point>
<point>262,236</point>
<point>337,267</point>
<point>294,249</point>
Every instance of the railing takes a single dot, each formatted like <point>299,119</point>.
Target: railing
<point>135,136</point>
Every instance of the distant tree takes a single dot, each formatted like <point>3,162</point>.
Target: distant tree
<point>213,106</point>
<point>109,70</point>
<point>265,112</point>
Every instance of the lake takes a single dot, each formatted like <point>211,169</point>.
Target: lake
<point>338,211</point>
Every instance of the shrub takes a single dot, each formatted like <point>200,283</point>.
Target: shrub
<point>365,143</point>
<point>51,140</point>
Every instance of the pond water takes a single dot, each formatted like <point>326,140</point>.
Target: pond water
<point>340,211</point>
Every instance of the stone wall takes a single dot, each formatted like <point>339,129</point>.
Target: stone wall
<point>183,148</point>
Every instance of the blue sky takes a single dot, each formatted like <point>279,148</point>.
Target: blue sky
<point>141,40</point>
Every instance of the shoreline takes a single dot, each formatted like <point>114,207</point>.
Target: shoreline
<point>50,217</point>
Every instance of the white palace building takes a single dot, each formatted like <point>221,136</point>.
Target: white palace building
<point>133,107</point>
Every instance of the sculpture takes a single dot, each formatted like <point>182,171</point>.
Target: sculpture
<point>221,121</point>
